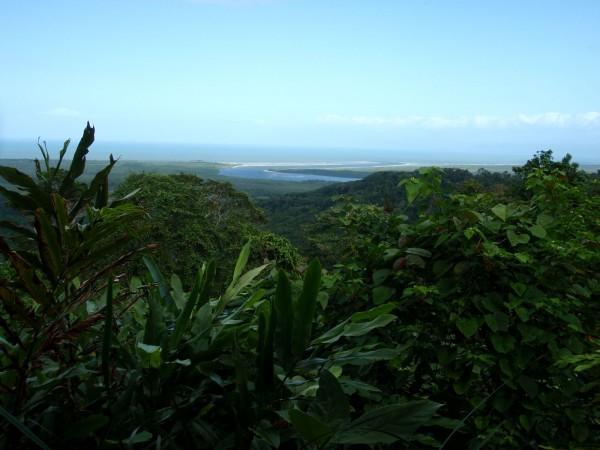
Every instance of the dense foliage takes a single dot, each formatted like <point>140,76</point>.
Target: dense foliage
<point>462,314</point>
<point>196,220</point>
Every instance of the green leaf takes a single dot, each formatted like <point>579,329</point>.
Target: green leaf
<point>419,251</point>
<point>516,239</point>
<point>330,405</point>
<point>235,288</point>
<point>413,187</point>
<point>284,310</point>
<point>184,317</point>
<point>415,260</point>
<point>527,422</point>
<point>157,277</point>
<point>353,329</point>
<point>387,424</point>
<point>538,231</point>
<point>310,428</point>
<point>48,245</point>
<point>151,355</point>
<point>380,276</point>
<point>106,341</point>
<point>86,426</point>
<point>356,357</point>
<point>382,293</point>
<point>177,293</point>
<point>22,428</point>
<point>373,313</point>
<point>501,211</point>
<point>498,321</point>
<point>467,325</point>
<point>503,343</point>
<point>155,328</point>
<point>240,264</point>
<point>529,385</point>
<point>304,309</point>
<point>264,354</point>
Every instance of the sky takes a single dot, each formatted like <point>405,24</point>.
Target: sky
<point>505,77</point>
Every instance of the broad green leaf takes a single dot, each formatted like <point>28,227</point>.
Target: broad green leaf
<point>498,321</point>
<point>177,293</point>
<point>304,309</point>
<point>311,429</point>
<point>545,220</point>
<point>330,404</point>
<point>373,313</point>
<point>538,231</point>
<point>151,355</point>
<point>467,325</point>
<point>529,385</point>
<point>184,317</point>
<point>419,251</point>
<point>357,357</point>
<point>413,187</point>
<point>353,329</point>
<point>387,424</point>
<point>503,343</point>
<point>234,289</point>
<point>382,294</point>
<point>527,421</point>
<point>240,264</point>
<point>501,211</point>
<point>284,320</point>
<point>264,354</point>
<point>516,239</point>
<point>380,276</point>
<point>158,278</point>
<point>155,328</point>
<point>415,260</point>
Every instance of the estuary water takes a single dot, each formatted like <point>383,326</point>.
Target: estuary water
<point>264,162</point>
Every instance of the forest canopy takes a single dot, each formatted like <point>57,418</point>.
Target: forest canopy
<point>451,311</point>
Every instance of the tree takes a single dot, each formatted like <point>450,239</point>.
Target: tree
<point>496,297</point>
<point>545,161</point>
<point>195,220</point>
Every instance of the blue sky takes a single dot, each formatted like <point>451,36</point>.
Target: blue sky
<point>459,76</point>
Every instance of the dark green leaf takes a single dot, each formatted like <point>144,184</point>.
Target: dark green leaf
<point>467,325</point>
<point>304,309</point>
<point>387,424</point>
<point>310,428</point>
<point>284,310</point>
<point>86,426</point>
<point>330,404</point>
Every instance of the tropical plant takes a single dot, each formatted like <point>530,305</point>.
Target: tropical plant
<point>492,295</point>
<point>47,333</point>
<point>194,220</point>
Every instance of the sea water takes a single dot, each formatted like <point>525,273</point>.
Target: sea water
<point>263,161</point>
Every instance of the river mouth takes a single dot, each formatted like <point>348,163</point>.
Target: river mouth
<point>299,172</point>
<point>267,173</point>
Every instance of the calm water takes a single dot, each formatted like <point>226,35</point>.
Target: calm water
<point>261,161</point>
<point>268,155</point>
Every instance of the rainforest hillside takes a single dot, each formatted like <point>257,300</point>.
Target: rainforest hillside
<point>433,309</point>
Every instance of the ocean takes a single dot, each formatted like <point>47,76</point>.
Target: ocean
<point>263,161</point>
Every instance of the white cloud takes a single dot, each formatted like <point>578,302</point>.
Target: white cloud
<point>63,111</point>
<point>548,119</point>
